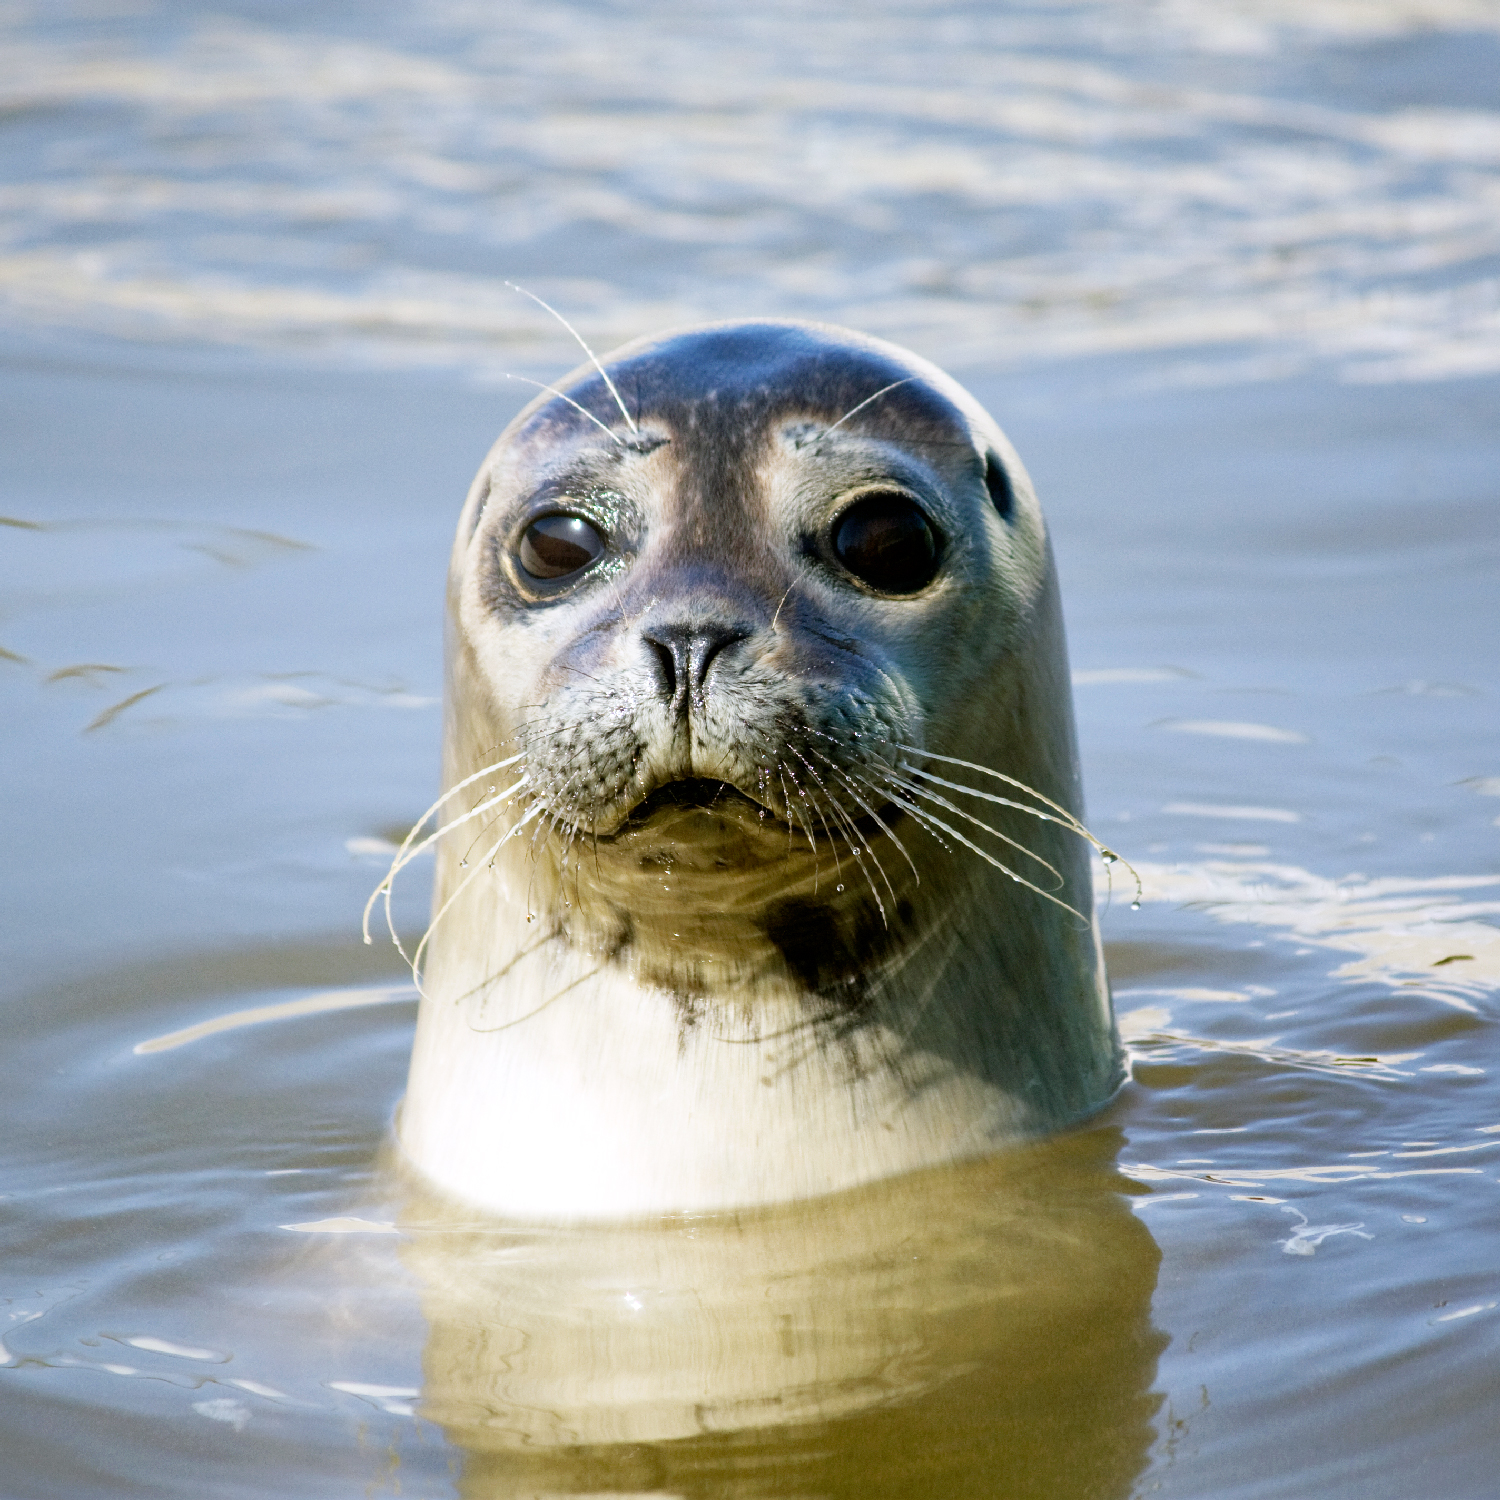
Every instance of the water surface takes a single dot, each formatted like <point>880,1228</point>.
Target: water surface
<point>1227,273</point>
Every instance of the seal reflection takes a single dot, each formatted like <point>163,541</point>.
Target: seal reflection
<point>977,1329</point>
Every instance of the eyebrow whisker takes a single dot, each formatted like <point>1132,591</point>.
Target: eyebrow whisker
<point>541,385</point>
<point>854,410</point>
<point>593,358</point>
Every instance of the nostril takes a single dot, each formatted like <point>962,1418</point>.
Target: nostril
<point>669,668</point>
<point>705,646</point>
<point>685,654</point>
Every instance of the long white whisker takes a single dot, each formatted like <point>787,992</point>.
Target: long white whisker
<point>1004,868</point>
<point>403,860</point>
<point>805,821</point>
<point>774,618</point>
<point>1011,781</point>
<point>871,813</point>
<point>593,358</point>
<point>1109,856</point>
<point>463,864</point>
<point>786,803</point>
<point>851,833</point>
<point>416,827</point>
<point>818,806</point>
<point>919,791</point>
<point>1072,825</point>
<point>515,828</point>
<point>406,855</point>
<point>542,385</point>
<point>854,410</point>
<point>907,806</point>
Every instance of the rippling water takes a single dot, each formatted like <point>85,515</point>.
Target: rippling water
<point>1229,274</point>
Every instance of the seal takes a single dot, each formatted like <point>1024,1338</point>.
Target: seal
<point>761,870</point>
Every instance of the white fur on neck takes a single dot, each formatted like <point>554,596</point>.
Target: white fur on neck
<point>600,1103</point>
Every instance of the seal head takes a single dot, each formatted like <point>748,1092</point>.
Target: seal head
<point>777,884</point>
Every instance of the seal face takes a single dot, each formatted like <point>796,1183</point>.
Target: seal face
<point>777,883</point>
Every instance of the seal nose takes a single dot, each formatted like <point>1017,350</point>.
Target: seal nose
<point>685,653</point>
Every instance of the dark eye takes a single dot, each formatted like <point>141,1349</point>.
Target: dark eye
<point>887,542</point>
<point>554,546</point>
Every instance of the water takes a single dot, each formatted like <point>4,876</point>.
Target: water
<point>1227,273</point>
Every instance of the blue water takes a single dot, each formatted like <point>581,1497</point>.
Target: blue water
<point>1227,274</point>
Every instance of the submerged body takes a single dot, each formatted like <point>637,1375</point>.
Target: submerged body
<point>766,877</point>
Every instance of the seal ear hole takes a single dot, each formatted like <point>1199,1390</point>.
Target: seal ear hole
<point>997,482</point>
<point>886,541</point>
<point>558,546</point>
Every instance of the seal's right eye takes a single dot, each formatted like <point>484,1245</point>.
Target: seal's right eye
<point>554,546</point>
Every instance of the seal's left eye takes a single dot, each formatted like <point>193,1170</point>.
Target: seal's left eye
<point>555,546</point>
<point>887,541</point>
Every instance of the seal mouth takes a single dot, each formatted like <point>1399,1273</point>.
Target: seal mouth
<point>700,792</point>
<point>705,794</point>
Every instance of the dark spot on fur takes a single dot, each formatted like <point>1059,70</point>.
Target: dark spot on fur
<point>690,1006</point>
<point>623,938</point>
<point>827,951</point>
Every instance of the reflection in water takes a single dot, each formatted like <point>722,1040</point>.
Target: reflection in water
<point>980,1329</point>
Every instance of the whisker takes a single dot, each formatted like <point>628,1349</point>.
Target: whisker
<point>416,959</point>
<point>542,385</point>
<point>969,765</point>
<point>402,862</point>
<point>852,835</point>
<point>537,1010</point>
<point>774,618</point>
<point>918,791</point>
<point>463,864</point>
<point>818,808</point>
<point>593,358</point>
<point>870,813</point>
<point>1004,868</point>
<point>803,819</point>
<point>402,859</point>
<point>1069,820</point>
<point>786,803</point>
<point>416,827</point>
<point>907,806</point>
<point>1071,824</point>
<point>855,410</point>
<point>557,816</point>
